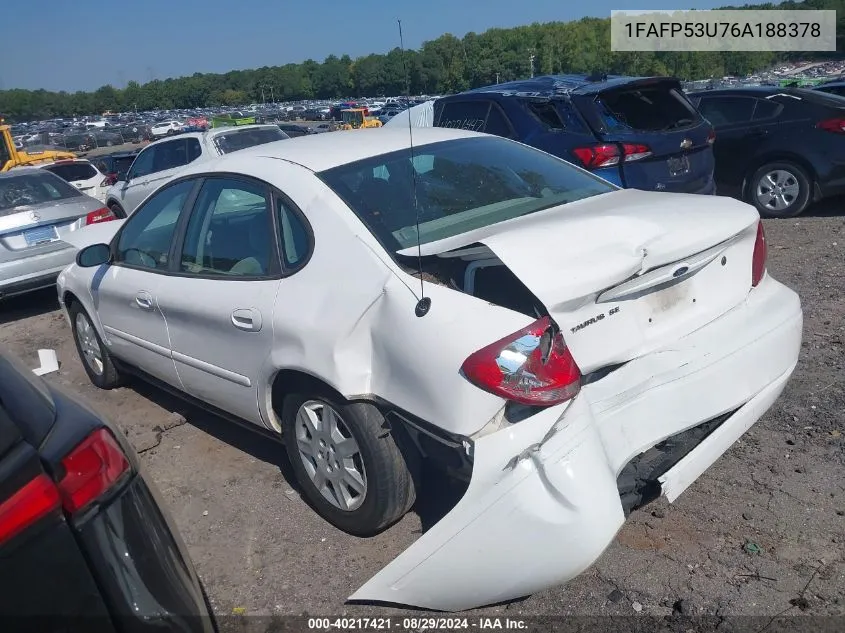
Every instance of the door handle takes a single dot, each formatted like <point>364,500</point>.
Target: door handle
<point>247,319</point>
<point>144,301</point>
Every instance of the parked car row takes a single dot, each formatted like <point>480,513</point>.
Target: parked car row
<point>776,148</point>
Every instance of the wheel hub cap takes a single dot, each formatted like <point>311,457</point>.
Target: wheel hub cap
<point>89,344</point>
<point>778,190</point>
<point>330,455</point>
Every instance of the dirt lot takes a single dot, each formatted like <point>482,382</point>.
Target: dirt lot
<point>761,533</point>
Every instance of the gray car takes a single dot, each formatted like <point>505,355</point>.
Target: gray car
<point>37,208</point>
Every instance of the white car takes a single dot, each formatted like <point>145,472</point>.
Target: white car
<point>163,160</point>
<point>83,175</point>
<point>165,128</point>
<point>571,348</point>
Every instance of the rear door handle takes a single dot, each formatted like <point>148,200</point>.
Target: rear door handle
<point>247,319</point>
<point>144,300</point>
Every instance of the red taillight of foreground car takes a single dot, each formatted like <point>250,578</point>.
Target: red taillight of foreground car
<point>100,215</point>
<point>29,504</point>
<point>91,469</point>
<point>758,260</point>
<point>532,366</point>
<point>835,125</point>
<point>711,138</point>
<point>609,154</point>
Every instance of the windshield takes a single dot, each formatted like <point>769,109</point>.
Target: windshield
<point>33,188</point>
<point>241,139</point>
<point>73,171</point>
<point>461,185</point>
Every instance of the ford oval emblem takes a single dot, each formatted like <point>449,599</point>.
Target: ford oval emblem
<point>683,270</point>
<point>686,143</point>
<point>34,216</point>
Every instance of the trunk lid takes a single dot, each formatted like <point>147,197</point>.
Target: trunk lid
<point>32,229</point>
<point>606,268</point>
<point>654,112</point>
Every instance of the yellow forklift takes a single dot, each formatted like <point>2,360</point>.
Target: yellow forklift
<point>11,156</point>
<point>356,119</point>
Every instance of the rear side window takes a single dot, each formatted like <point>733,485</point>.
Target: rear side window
<point>33,188</point>
<point>73,171</point>
<point>766,109</point>
<point>726,110</point>
<point>646,109</point>
<point>176,153</point>
<point>476,116</point>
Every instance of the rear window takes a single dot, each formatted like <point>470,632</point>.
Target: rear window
<point>645,109</point>
<point>33,188</point>
<point>73,171</point>
<point>241,139</point>
<point>461,185</point>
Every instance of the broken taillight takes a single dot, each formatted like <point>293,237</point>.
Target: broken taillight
<point>758,260</point>
<point>532,366</point>
<point>91,469</point>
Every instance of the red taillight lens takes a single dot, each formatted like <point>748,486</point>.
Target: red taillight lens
<point>91,469</point>
<point>711,138</point>
<point>633,151</point>
<point>835,125</point>
<point>100,215</point>
<point>35,500</point>
<point>758,260</point>
<point>532,366</point>
<point>595,156</point>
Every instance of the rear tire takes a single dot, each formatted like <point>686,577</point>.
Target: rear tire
<point>94,355</point>
<point>118,211</point>
<point>779,189</point>
<point>336,446</point>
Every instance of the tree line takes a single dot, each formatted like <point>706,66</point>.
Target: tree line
<point>444,65</point>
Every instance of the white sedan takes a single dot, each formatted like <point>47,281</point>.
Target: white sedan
<point>572,349</point>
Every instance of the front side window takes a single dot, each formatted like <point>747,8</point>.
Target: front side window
<point>145,239</point>
<point>461,185</point>
<point>171,154</point>
<point>229,231</point>
<point>143,163</point>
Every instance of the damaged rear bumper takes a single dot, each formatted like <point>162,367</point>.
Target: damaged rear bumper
<point>543,502</point>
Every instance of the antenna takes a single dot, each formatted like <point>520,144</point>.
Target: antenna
<point>424,303</point>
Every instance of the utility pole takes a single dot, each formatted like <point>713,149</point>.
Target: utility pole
<point>272,97</point>
<point>263,100</point>
<point>497,77</point>
<point>531,61</point>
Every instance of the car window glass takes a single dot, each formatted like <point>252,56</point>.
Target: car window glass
<point>497,123</point>
<point>461,185</point>
<point>170,155</point>
<point>726,110</point>
<point>30,188</point>
<point>294,236</point>
<point>73,171</point>
<point>146,236</point>
<point>464,115</point>
<point>766,109</point>
<point>143,163</point>
<point>228,231</point>
<point>194,149</point>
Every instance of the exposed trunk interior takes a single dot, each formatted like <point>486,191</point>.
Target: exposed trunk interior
<point>476,271</point>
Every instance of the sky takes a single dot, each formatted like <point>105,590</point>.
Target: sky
<point>84,44</point>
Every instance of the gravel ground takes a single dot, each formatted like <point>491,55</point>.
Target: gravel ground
<point>761,533</point>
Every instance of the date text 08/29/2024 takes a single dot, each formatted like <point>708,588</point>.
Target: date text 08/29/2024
<point>415,624</point>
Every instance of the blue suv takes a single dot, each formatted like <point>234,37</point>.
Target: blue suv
<point>636,132</point>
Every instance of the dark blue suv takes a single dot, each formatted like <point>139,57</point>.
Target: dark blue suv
<point>636,132</point>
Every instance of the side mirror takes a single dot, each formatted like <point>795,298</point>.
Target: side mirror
<point>93,255</point>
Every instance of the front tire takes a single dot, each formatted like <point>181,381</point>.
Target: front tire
<point>118,211</point>
<point>347,462</point>
<point>95,358</point>
<point>779,190</point>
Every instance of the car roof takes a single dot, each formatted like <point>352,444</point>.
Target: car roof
<point>18,171</point>
<point>835,83</point>
<point>318,152</point>
<point>750,91</point>
<point>552,85</point>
